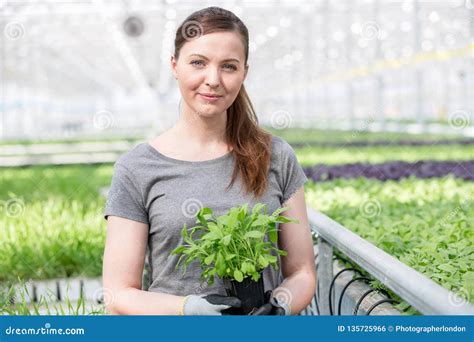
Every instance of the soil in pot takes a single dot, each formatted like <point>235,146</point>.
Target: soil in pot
<point>250,292</point>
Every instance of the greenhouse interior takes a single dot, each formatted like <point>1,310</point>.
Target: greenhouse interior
<point>374,97</point>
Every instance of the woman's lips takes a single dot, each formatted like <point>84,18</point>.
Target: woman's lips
<point>210,98</point>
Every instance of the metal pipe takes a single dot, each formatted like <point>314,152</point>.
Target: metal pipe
<point>422,293</point>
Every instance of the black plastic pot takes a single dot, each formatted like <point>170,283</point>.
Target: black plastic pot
<point>250,292</point>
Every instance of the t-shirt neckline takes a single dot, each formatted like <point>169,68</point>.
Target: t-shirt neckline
<point>188,162</point>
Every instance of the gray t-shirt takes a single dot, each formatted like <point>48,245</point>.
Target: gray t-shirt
<point>166,193</point>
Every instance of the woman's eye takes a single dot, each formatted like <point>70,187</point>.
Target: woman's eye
<point>196,62</point>
<point>201,63</point>
<point>230,66</point>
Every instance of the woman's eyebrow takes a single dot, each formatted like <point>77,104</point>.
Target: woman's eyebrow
<point>225,60</point>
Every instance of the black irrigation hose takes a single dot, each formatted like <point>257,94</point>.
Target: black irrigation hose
<point>386,300</point>
<point>58,292</point>
<point>317,289</point>
<point>344,291</point>
<point>356,308</point>
<point>35,298</point>
<point>316,303</point>
<point>332,285</point>
<point>316,297</point>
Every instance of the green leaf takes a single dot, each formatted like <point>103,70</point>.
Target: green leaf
<point>205,211</point>
<point>284,219</point>
<point>258,207</point>
<point>238,276</point>
<point>233,217</point>
<point>243,212</point>
<point>230,256</point>
<point>259,246</point>
<point>209,259</point>
<point>280,210</point>
<point>254,234</point>
<point>220,265</point>
<point>260,221</point>
<point>273,236</point>
<point>178,250</point>
<point>201,213</point>
<point>447,268</point>
<point>179,260</point>
<point>271,258</point>
<point>213,227</point>
<point>210,236</point>
<point>184,231</point>
<point>226,240</point>
<point>256,276</point>
<point>262,261</point>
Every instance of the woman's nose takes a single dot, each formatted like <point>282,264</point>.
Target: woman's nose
<point>212,77</point>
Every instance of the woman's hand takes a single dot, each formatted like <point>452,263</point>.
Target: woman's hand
<point>272,307</point>
<point>210,305</point>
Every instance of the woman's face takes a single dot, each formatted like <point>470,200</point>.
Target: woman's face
<point>211,64</point>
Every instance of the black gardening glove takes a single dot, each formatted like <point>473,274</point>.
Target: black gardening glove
<point>271,307</point>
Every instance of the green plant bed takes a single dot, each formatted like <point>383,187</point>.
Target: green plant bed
<point>304,135</point>
<point>38,183</point>
<point>426,224</point>
<point>308,156</point>
<point>52,224</point>
<point>52,239</point>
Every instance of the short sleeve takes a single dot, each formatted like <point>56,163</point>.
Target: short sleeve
<point>292,174</point>
<point>124,198</point>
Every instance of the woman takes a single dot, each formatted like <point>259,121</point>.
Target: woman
<point>215,156</point>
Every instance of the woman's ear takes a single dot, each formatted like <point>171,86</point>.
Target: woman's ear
<point>173,67</point>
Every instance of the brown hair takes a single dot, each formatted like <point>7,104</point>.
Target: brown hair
<point>251,144</point>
